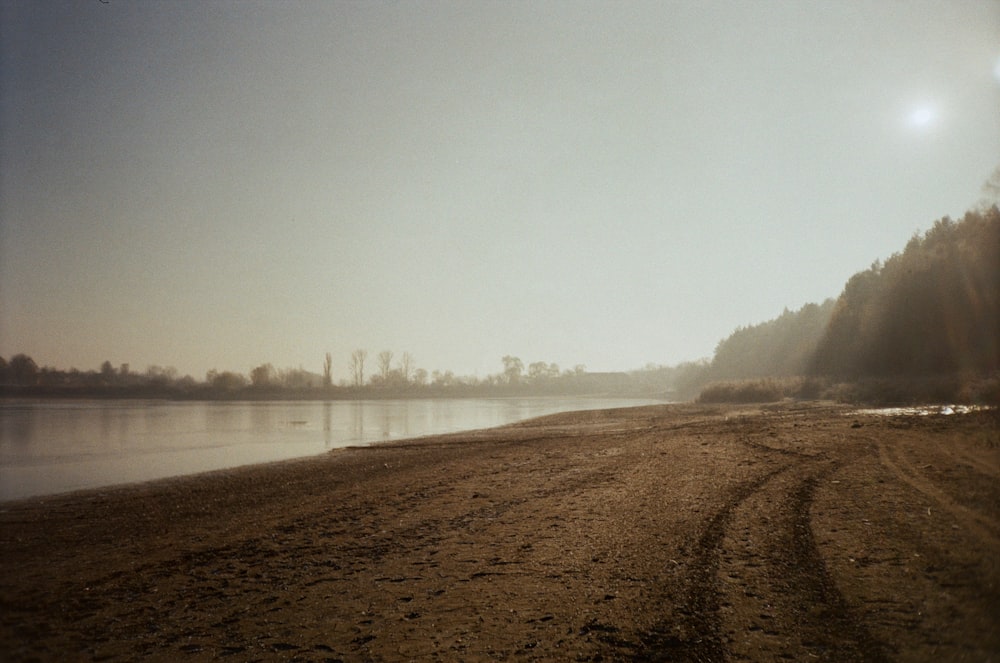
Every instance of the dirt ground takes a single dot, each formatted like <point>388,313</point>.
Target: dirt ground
<point>676,533</point>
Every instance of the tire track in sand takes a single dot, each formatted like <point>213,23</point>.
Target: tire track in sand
<point>756,586</point>
<point>781,603</point>
<point>893,459</point>
<point>698,635</point>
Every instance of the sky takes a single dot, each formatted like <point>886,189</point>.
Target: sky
<point>216,185</point>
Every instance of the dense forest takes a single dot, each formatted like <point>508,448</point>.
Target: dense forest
<point>780,347</point>
<point>932,309</point>
<point>923,325</point>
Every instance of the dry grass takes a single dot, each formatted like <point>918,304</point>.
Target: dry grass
<point>905,390</point>
<point>761,390</point>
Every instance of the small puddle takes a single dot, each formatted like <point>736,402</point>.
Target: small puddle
<point>921,410</point>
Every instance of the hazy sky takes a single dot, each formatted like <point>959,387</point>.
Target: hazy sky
<point>222,184</point>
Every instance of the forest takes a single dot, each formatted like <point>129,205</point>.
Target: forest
<point>924,325</point>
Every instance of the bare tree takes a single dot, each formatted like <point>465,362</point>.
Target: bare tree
<point>358,358</point>
<point>328,370</point>
<point>406,366</point>
<point>991,189</point>
<point>385,365</point>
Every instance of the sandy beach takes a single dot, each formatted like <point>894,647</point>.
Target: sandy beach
<point>676,532</point>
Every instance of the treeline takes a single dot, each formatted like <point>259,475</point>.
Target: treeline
<point>780,347</point>
<point>21,376</point>
<point>932,309</point>
<point>923,325</point>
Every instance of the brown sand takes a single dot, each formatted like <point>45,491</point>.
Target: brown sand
<point>681,533</point>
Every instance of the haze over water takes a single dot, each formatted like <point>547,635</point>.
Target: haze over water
<point>52,447</point>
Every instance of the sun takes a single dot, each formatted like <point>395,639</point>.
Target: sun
<point>921,117</point>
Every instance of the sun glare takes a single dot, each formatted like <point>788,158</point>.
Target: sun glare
<point>921,117</point>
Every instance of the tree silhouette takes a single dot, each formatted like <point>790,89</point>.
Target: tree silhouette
<point>991,189</point>
<point>358,358</point>
<point>384,359</point>
<point>512,369</point>
<point>780,347</point>
<point>23,370</point>
<point>263,375</point>
<point>328,370</point>
<point>932,309</point>
<point>406,366</point>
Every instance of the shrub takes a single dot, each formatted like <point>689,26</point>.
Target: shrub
<point>905,390</point>
<point>763,390</point>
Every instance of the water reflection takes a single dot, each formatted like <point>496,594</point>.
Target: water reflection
<point>358,419</point>
<point>923,410</point>
<point>385,418</point>
<point>17,430</point>
<point>327,424</point>
<point>261,418</point>
<point>48,447</point>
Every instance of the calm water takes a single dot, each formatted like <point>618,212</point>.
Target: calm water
<point>53,447</point>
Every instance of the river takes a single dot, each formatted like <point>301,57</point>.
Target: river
<point>49,447</point>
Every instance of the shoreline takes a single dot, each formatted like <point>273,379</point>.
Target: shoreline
<point>698,531</point>
<point>57,447</point>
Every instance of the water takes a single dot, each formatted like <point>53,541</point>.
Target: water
<point>49,447</point>
<point>923,410</point>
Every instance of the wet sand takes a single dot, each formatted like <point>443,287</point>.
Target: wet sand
<point>681,533</point>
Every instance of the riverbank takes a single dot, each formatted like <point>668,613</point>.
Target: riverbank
<point>680,532</point>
